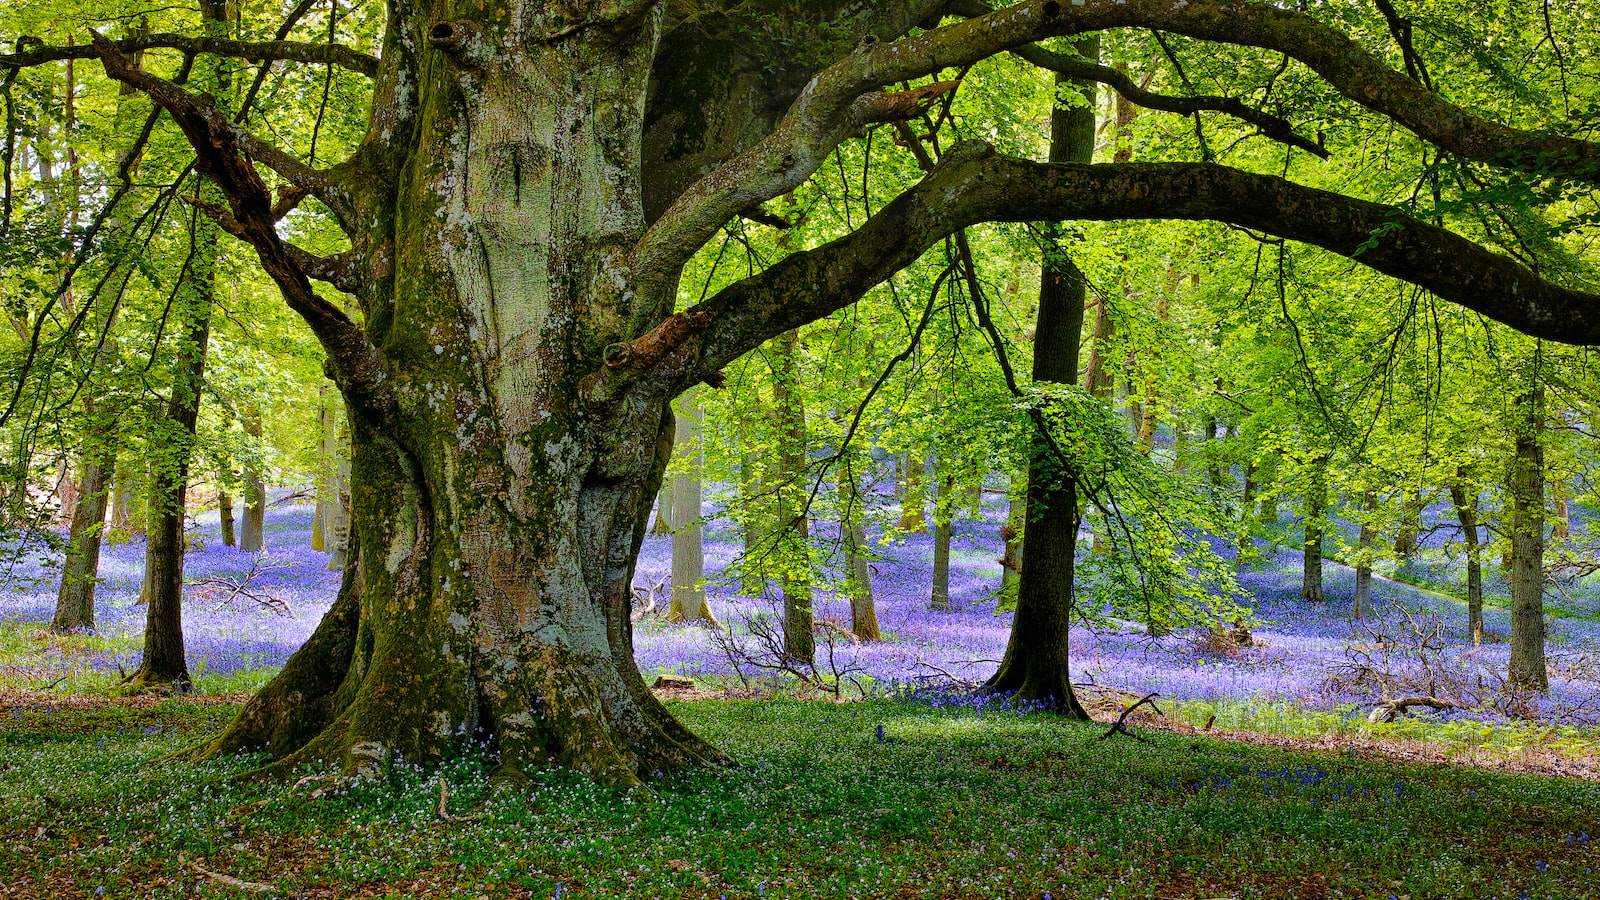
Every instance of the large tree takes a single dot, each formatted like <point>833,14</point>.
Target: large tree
<point>533,179</point>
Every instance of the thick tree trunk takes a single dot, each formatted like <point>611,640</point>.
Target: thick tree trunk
<point>688,552</point>
<point>252,532</point>
<point>942,513</point>
<point>80,573</point>
<point>1316,511</point>
<point>497,512</point>
<point>1034,668</point>
<point>1526,484</point>
<point>1467,514</point>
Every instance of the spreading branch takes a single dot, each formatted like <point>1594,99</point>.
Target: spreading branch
<point>972,185</point>
<point>254,51</point>
<point>845,97</point>
<point>357,366</point>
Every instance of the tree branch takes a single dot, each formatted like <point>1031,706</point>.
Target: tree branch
<point>1271,126</point>
<point>254,51</point>
<point>972,185</point>
<point>206,124</point>
<point>356,365</point>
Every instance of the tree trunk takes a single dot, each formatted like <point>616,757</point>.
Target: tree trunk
<point>1562,529</point>
<point>913,518</point>
<point>498,506</point>
<point>1034,667</point>
<point>940,600</point>
<point>794,537</point>
<point>80,572</point>
<point>123,489</point>
<point>753,582</point>
<point>1364,542</point>
<point>1526,486</point>
<point>1467,514</point>
<point>252,534</point>
<point>1316,510</point>
<point>1405,540</point>
<point>858,569</point>
<point>1011,540</point>
<point>688,553</point>
<point>225,517</point>
<point>336,533</point>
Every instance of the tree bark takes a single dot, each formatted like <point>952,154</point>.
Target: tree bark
<point>225,517</point>
<point>794,536</point>
<point>1467,514</point>
<point>688,553</point>
<point>858,569</point>
<point>252,533</point>
<point>913,518</point>
<point>1364,542</point>
<point>80,572</point>
<point>1316,511</point>
<point>942,514</point>
<point>1034,667</point>
<point>1405,540</point>
<point>1526,488</point>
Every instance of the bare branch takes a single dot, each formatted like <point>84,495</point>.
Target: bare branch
<point>254,51</point>
<point>973,185</point>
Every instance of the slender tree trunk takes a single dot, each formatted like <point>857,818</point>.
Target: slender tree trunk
<point>1364,542</point>
<point>858,570</point>
<point>940,600</point>
<point>753,582</point>
<point>80,573</point>
<point>252,534</point>
<point>1405,540</point>
<point>225,516</point>
<point>1467,514</point>
<point>799,642</point>
<point>688,553</point>
<point>913,518</point>
<point>1526,485</point>
<point>1316,510</point>
<point>122,490</point>
<point>337,530</point>
<point>1011,540</point>
<point>1034,667</point>
<point>1562,529</point>
<point>163,665</point>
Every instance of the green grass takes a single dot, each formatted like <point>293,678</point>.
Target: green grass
<point>950,805</point>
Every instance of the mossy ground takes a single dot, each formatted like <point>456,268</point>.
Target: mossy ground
<point>820,803</point>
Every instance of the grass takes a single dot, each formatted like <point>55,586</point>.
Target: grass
<point>947,804</point>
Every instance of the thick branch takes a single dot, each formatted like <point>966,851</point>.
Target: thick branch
<point>830,110</point>
<point>1269,125</point>
<point>255,51</point>
<point>842,98</point>
<point>356,364</point>
<point>971,185</point>
<point>338,270</point>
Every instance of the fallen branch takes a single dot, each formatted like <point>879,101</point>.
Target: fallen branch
<point>1121,726</point>
<point>1389,710</point>
<point>228,880</point>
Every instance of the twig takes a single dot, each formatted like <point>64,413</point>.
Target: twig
<point>1121,727</point>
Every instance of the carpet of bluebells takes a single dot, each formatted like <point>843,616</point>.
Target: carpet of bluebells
<point>235,639</point>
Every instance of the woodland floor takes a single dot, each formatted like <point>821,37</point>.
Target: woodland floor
<point>1258,776</point>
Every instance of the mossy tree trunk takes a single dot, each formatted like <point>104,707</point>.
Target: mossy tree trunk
<point>1526,489</point>
<point>80,573</point>
<point>1467,514</point>
<point>252,531</point>
<point>1034,667</point>
<point>688,549</point>
<point>1315,514</point>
